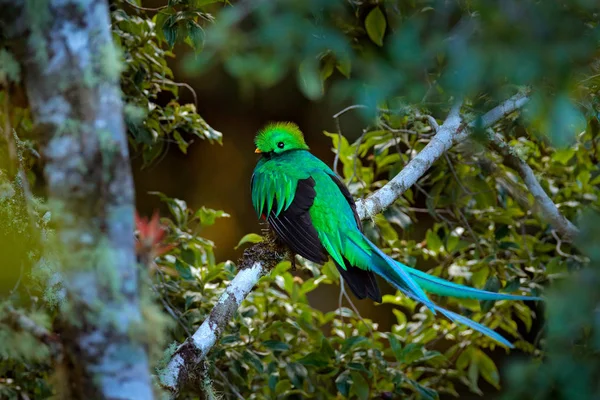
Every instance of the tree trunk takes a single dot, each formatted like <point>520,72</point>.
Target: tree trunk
<point>71,73</point>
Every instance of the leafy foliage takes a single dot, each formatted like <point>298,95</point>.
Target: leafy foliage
<point>469,219</point>
<point>147,75</point>
<point>571,365</point>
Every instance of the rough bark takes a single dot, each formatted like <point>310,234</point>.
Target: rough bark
<point>447,135</point>
<point>71,74</point>
<point>184,367</point>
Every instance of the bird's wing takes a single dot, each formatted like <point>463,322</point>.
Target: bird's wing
<point>294,225</point>
<point>287,212</point>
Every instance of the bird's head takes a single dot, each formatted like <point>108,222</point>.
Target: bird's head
<point>279,137</point>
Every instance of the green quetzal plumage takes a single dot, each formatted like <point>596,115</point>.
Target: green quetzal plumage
<point>313,213</point>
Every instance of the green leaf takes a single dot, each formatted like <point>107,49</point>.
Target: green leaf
<point>360,387</point>
<point>352,342</point>
<point>488,369</point>
<point>188,256</point>
<point>309,79</point>
<point>434,243</point>
<point>342,383</point>
<point>344,65</point>
<point>249,238</point>
<point>196,35</point>
<point>424,392</point>
<point>375,24</point>
<point>253,360</point>
<point>208,216</point>
<point>492,285</point>
<point>326,348</point>
<point>183,270</point>
<point>359,367</point>
<point>181,143</point>
<point>297,373</point>
<point>563,155</point>
<point>315,359</point>
<point>169,29</point>
<point>273,379</point>
<point>396,347</point>
<point>276,345</point>
<point>412,352</point>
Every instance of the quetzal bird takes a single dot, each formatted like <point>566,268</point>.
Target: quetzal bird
<point>313,213</point>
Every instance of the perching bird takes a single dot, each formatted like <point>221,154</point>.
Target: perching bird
<point>313,213</point>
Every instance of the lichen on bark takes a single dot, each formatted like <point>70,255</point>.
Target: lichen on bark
<point>74,97</point>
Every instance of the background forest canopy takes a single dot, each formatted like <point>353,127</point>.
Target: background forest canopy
<point>474,123</point>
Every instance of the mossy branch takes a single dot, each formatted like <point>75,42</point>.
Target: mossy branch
<point>21,323</point>
<point>451,132</point>
<point>184,368</point>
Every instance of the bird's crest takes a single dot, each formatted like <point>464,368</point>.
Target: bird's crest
<point>274,133</point>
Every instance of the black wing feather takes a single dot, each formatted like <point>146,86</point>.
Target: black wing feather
<point>295,228</point>
<point>294,225</point>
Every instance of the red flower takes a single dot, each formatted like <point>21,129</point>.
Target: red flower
<point>150,236</point>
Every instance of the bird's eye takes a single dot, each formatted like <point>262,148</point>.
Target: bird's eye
<point>280,145</point>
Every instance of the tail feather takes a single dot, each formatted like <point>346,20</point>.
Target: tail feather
<point>454,317</point>
<point>412,282</point>
<point>442,287</point>
<point>386,267</point>
<point>475,325</point>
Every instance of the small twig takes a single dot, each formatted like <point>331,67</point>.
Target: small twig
<point>427,211</point>
<point>543,203</point>
<point>345,110</point>
<point>357,312</point>
<point>559,243</point>
<point>458,180</point>
<point>20,322</point>
<point>397,130</point>
<point>191,89</point>
<point>229,385</point>
<point>432,122</point>
<point>473,235</point>
<point>145,8</point>
<point>169,308</point>
<point>339,146</point>
<point>14,289</point>
<point>341,299</point>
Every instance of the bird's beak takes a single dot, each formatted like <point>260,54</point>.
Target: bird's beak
<point>257,151</point>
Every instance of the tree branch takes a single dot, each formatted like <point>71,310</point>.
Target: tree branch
<point>183,368</point>
<point>20,322</point>
<point>449,133</point>
<point>543,204</point>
